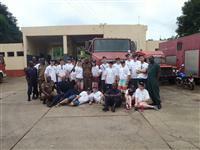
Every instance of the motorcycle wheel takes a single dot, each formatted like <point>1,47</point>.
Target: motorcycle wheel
<point>191,86</point>
<point>178,82</point>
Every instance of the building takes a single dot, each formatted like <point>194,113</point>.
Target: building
<point>58,41</point>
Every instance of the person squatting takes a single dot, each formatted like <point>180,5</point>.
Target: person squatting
<point>132,82</point>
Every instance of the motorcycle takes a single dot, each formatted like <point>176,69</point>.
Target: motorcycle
<point>185,81</point>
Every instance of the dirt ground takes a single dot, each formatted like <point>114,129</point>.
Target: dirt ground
<point>31,125</point>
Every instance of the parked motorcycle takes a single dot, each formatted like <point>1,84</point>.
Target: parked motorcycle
<point>185,81</point>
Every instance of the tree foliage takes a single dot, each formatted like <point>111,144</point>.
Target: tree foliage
<point>189,22</point>
<point>9,32</point>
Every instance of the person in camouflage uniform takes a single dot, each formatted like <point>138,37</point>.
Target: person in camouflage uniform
<point>48,91</point>
<point>41,79</point>
<point>87,74</point>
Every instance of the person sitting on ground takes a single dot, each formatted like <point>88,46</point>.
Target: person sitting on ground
<point>96,96</point>
<point>113,98</point>
<point>76,100</point>
<point>129,97</point>
<point>48,91</point>
<point>142,97</point>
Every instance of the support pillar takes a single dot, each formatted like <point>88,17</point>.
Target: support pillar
<point>25,45</point>
<point>65,50</point>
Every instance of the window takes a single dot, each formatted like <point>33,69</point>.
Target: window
<point>10,54</point>
<point>2,54</point>
<point>20,53</point>
<point>179,46</point>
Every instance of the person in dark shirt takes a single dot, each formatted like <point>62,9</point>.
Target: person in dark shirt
<point>31,77</point>
<point>64,86</point>
<point>112,98</point>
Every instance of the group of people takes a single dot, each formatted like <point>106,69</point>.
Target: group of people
<point>75,82</point>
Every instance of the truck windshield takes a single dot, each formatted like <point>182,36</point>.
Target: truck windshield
<point>159,60</point>
<point>111,45</point>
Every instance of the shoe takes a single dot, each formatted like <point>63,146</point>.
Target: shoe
<point>159,106</point>
<point>29,98</point>
<point>136,109</point>
<point>113,108</point>
<point>105,109</point>
<point>155,108</point>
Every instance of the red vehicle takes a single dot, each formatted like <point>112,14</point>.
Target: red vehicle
<point>2,68</point>
<point>168,72</point>
<point>184,50</point>
<point>112,48</point>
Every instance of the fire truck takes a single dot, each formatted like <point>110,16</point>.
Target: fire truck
<point>168,72</point>
<point>112,48</point>
<point>2,68</point>
<point>184,51</point>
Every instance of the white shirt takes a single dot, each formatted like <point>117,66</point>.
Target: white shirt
<point>142,66</point>
<point>110,74</point>
<point>103,70</point>
<point>142,95</point>
<point>97,96</point>
<point>129,63</point>
<point>72,75</point>
<point>61,71</point>
<point>117,67</point>
<point>69,67</point>
<point>134,67</point>
<point>95,71</point>
<point>124,72</point>
<point>84,97</point>
<point>79,72</point>
<point>51,71</point>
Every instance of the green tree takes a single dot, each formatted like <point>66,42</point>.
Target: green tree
<point>9,31</point>
<point>189,22</point>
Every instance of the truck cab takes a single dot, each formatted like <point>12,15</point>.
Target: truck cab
<point>2,68</point>
<point>112,48</point>
<point>168,72</point>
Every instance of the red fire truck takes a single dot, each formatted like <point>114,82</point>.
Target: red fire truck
<point>2,68</point>
<point>184,50</point>
<point>110,47</point>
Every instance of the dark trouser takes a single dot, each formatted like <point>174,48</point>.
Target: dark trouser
<point>32,88</point>
<point>113,100</point>
<point>154,91</point>
<point>108,86</point>
<point>103,86</point>
<point>133,82</point>
<point>87,83</point>
<point>58,98</point>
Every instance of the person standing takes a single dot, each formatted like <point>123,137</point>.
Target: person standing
<point>51,71</point>
<point>41,70</point>
<point>103,68</point>
<point>124,76</point>
<point>134,66</point>
<point>117,66</point>
<point>153,82</point>
<point>128,61</point>
<point>110,76</point>
<point>79,76</point>
<point>31,77</point>
<point>95,74</point>
<point>87,74</point>
<point>61,70</point>
<point>141,70</point>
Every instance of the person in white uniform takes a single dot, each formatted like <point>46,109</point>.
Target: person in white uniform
<point>79,76</point>
<point>95,74</point>
<point>142,97</point>
<point>141,70</point>
<point>51,71</point>
<point>96,96</point>
<point>117,66</point>
<point>103,68</point>
<point>61,70</point>
<point>110,76</point>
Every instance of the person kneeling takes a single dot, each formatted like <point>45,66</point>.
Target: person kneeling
<point>113,98</point>
<point>130,98</point>
<point>76,100</point>
<point>141,97</point>
<point>96,96</point>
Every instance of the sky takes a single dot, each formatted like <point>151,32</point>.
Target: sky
<point>159,15</point>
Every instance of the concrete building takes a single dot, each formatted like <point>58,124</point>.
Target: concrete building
<point>57,41</point>
<point>152,45</point>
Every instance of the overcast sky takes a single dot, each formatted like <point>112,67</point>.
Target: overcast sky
<point>159,15</point>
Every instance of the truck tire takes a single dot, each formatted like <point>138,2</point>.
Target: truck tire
<point>191,86</point>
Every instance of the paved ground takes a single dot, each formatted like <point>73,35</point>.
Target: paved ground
<point>30,125</point>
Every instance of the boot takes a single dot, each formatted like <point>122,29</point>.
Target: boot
<point>29,98</point>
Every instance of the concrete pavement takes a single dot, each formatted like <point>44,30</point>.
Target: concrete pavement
<point>30,125</point>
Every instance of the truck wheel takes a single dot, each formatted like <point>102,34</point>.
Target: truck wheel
<point>1,78</point>
<point>178,82</point>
